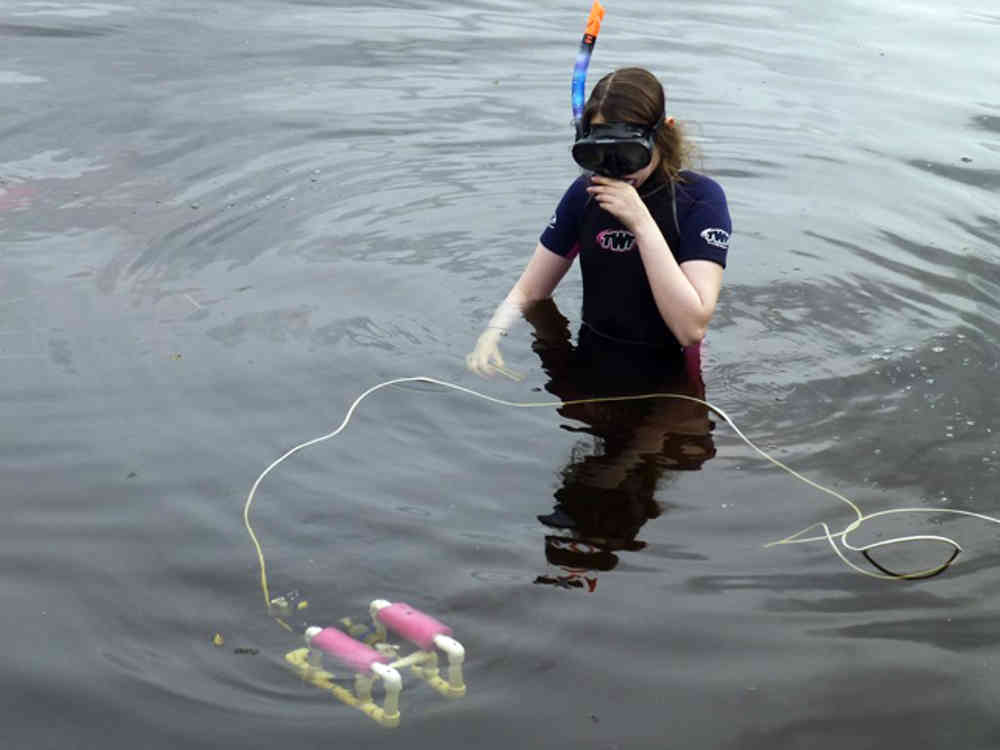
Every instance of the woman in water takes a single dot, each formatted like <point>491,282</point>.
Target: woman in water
<point>652,237</point>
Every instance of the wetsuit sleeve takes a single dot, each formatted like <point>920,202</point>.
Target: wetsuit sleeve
<point>562,235</point>
<point>706,228</point>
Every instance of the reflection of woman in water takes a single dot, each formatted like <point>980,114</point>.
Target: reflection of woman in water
<point>653,238</point>
<point>608,488</point>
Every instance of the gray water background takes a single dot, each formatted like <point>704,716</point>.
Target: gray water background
<point>221,222</point>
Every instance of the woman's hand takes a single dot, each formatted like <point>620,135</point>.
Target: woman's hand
<point>620,199</point>
<point>485,359</point>
<point>482,359</point>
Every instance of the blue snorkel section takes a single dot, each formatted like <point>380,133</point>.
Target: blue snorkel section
<point>583,62</point>
<point>580,82</point>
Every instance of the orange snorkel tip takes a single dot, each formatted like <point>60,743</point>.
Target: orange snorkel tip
<point>594,19</point>
<point>583,61</point>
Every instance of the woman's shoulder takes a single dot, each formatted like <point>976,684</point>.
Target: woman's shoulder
<point>576,195</point>
<point>700,187</point>
<point>579,185</point>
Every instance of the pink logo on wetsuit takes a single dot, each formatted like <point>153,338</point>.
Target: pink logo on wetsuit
<point>616,240</point>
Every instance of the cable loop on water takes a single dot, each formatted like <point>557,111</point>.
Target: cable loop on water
<point>796,538</point>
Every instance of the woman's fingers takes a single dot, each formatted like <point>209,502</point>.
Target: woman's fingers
<point>485,359</point>
<point>472,362</point>
<point>617,198</point>
<point>612,192</point>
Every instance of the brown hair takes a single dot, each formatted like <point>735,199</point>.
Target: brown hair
<point>635,95</point>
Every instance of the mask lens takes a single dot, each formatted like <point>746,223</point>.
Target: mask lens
<point>614,150</point>
<point>589,155</point>
<point>632,156</point>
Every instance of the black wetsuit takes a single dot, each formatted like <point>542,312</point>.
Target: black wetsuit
<point>618,303</point>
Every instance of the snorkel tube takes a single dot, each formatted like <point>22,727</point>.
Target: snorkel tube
<point>583,62</point>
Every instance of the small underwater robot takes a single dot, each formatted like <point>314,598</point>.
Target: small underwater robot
<point>375,659</point>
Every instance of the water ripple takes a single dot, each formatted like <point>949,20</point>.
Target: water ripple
<point>22,30</point>
<point>988,179</point>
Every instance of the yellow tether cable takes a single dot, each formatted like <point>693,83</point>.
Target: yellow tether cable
<point>796,538</point>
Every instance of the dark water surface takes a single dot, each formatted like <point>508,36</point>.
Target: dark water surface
<point>221,222</point>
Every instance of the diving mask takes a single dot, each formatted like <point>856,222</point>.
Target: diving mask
<point>614,149</point>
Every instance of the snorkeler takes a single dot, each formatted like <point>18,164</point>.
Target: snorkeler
<point>652,237</point>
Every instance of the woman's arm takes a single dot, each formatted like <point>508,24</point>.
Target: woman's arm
<point>540,278</point>
<point>685,293</point>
